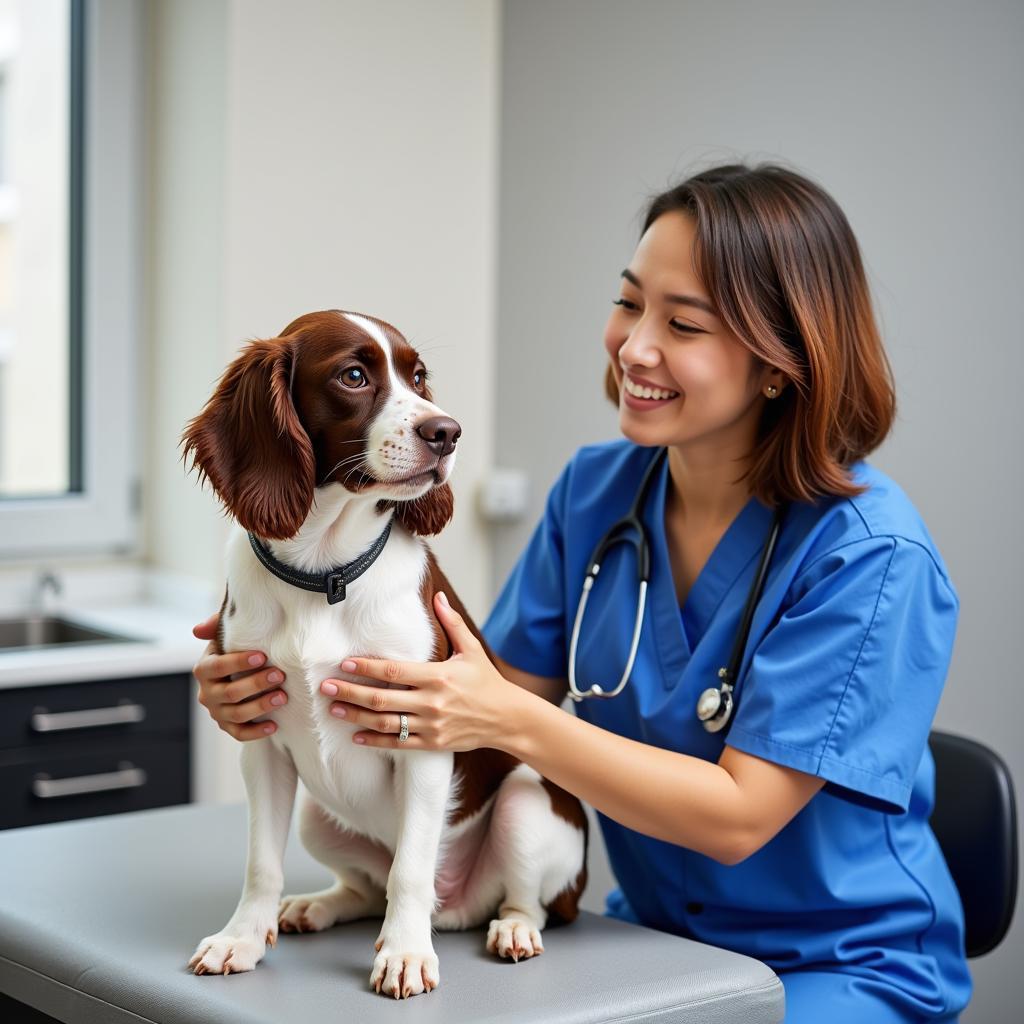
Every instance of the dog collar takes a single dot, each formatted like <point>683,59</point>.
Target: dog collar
<point>332,583</point>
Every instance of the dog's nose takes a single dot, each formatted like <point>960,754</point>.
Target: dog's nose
<point>441,434</point>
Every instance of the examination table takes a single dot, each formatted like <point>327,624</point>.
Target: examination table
<point>98,919</point>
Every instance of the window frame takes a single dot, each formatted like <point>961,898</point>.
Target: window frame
<point>106,303</point>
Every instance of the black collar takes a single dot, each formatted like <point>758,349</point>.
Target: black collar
<point>331,583</point>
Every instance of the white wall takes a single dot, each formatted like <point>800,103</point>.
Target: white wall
<point>909,114</point>
<point>187,344</point>
<point>307,156</point>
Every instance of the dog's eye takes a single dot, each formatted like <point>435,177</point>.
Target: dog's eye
<point>353,377</point>
<point>417,378</point>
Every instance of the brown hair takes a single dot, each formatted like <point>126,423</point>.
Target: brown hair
<point>783,269</point>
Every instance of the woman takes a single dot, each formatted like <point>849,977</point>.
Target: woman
<point>742,342</point>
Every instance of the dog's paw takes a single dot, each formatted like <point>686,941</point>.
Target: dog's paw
<point>224,953</point>
<point>315,911</point>
<point>514,938</point>
<point>309,912</point>
<point>404,974</point>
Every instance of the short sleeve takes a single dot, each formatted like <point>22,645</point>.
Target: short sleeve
<point>846,683</point>
<point>526,627</point>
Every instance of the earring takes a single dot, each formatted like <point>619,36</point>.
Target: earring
<point>772,391</point>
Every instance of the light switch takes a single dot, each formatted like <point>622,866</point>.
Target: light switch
<point>503,495</point>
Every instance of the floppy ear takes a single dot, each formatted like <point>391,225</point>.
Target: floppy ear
<point>249,443</point>
<point>428,514</point>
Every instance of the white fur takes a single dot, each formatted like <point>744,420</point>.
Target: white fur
<point>380,819</point>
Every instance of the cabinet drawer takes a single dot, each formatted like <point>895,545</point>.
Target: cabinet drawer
<point>38,716</point>
<point>91,780</point>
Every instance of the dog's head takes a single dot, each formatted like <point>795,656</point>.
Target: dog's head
<point>338,398</point>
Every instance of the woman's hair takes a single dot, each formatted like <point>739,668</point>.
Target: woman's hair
<point>783,269</point>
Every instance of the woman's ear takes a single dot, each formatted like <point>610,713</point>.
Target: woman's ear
<point>248,441</point>
<point>429,514</point>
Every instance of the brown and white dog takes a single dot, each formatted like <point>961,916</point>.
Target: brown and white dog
<point>315,441</point>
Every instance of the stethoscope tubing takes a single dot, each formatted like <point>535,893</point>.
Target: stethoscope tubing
<point>629,529</point>
<point>716,706</point>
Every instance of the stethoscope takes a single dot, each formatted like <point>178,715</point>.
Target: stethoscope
<point>716,704</point>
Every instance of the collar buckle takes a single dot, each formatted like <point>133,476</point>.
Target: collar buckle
<point>335,587</point>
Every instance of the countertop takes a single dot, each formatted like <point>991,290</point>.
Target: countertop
<point>162,642</point>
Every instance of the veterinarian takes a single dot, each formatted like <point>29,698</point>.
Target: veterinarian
<point>793,829</point>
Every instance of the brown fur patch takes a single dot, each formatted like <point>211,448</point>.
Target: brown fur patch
<point>564,908</point>
<point>249,443</point>
<point>483,770</point>
<point>218,641</point>
<point>440,649</point>
<point>426,516</point>
<point>565,805</point>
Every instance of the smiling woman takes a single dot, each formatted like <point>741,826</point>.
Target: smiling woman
<point>743,341</point>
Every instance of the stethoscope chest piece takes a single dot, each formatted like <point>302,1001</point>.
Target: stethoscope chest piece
<point>714,706</point>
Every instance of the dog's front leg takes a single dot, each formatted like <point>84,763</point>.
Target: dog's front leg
<point>270,785</point>
<point>406,964</point>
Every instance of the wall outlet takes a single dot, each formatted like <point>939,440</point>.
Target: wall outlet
<point>503,495</point>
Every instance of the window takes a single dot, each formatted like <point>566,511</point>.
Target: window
<point>38,143</point>
<point>70,284</point>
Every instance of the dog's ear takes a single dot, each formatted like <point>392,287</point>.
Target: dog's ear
<point>429,514</point>
<point>248,441</point>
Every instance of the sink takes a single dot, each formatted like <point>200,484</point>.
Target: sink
<point>51,631</point>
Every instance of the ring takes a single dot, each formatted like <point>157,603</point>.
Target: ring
<point>403,733</point>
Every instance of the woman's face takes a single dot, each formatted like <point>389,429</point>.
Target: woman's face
<point>663,335</point>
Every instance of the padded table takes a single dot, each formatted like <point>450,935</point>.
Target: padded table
<point>98,919</point>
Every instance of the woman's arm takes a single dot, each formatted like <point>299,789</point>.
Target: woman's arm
<point>725,811</point>
<point>552,690</point>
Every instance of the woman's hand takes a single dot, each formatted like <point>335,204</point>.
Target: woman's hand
<point>459,704</point>
<point>234,703</point>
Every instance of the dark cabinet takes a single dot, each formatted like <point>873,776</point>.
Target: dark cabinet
<point>80,750</point>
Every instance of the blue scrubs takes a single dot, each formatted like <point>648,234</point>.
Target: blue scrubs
<point>851,903</point>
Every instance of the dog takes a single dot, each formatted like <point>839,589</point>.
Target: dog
<point>324,444</point>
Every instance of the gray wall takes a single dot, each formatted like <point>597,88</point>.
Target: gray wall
<point>908,113</point>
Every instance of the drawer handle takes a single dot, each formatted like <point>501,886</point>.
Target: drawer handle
<point>55,721</point>
<point>127,777</point>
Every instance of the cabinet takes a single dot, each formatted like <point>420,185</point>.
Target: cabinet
<point>81,750</point>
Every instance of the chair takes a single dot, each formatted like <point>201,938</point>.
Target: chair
<point>975,821</point>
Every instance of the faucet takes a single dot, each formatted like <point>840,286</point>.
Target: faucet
<point>46,580</point>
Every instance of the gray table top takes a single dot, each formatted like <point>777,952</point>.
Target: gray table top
<point>99,917</point>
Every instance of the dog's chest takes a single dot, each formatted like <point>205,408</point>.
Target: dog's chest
<point>307,639</point>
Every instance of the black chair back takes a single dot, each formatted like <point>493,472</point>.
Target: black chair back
<point>975,821</point>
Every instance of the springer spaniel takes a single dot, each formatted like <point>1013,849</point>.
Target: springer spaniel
<point>318,443</point>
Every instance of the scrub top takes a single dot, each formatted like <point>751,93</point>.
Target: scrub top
<point>851,903</point>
